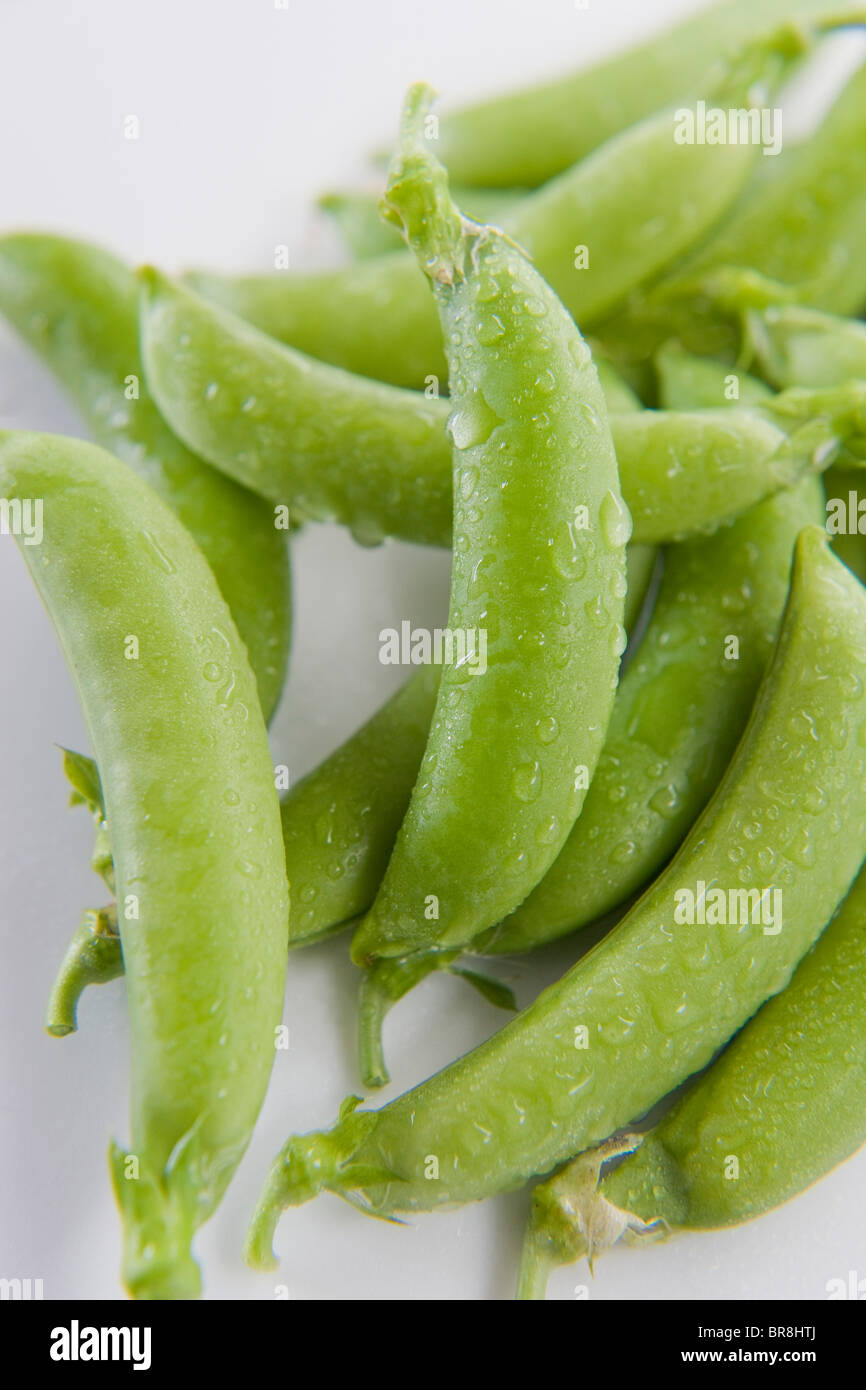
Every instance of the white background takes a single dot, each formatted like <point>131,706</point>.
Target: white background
<point>246,113</point>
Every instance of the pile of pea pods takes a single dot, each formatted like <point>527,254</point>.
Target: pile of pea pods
<point>615,364</point>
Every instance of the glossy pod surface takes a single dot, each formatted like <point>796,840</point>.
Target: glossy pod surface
<point>538,578</point>
<point>786,1099</point>
<point>172,711</point>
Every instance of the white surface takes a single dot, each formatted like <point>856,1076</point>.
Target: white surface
<point>246,112</point>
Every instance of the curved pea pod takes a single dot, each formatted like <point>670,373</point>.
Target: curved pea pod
<point>652,1002</point>
<point>329,444</point>
<point>803,223</point>
<point>94,957</point>
<point>537,582</point>
<point>611,223</point>
<point>680,711</point>
<point>172,710</point>
<point>76,306</point>
<point>377,458</point>
<point>531,135</point>
<point>782,1107</point>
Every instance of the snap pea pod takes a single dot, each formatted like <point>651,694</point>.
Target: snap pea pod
<point>377,458</point>
<point>529,136</point>
<point>76,306</point>
<point>172,711</point>
<point>365,234</point>
<point>803,224</point>
<point>635,206</point>
<point>650,1004</point>
<point>538,578</point>
<point>780,1109</point>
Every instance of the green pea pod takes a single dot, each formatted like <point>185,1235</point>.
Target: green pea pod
<point>538,581</point>
<point>781,1108</point>
<point>613,222</point>
<point>357,218</point>
<point>77,308</point>
<point>377,458</point>
<point>529,136</point>
<point>651,1003</point>
<point>803,224</point>
<point>172,711</point>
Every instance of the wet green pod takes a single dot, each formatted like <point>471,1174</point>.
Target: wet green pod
<point>781,1108</point>
<point>327,443</point>
<point>76,306</point>
<point>172,711</point>
<point>652,1002</point>
<point>537,584</point>
<point>377,459</point>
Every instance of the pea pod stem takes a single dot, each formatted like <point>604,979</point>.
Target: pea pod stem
<point>93,958</point>
<point>381,988</point>
<point>569,1218</point>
